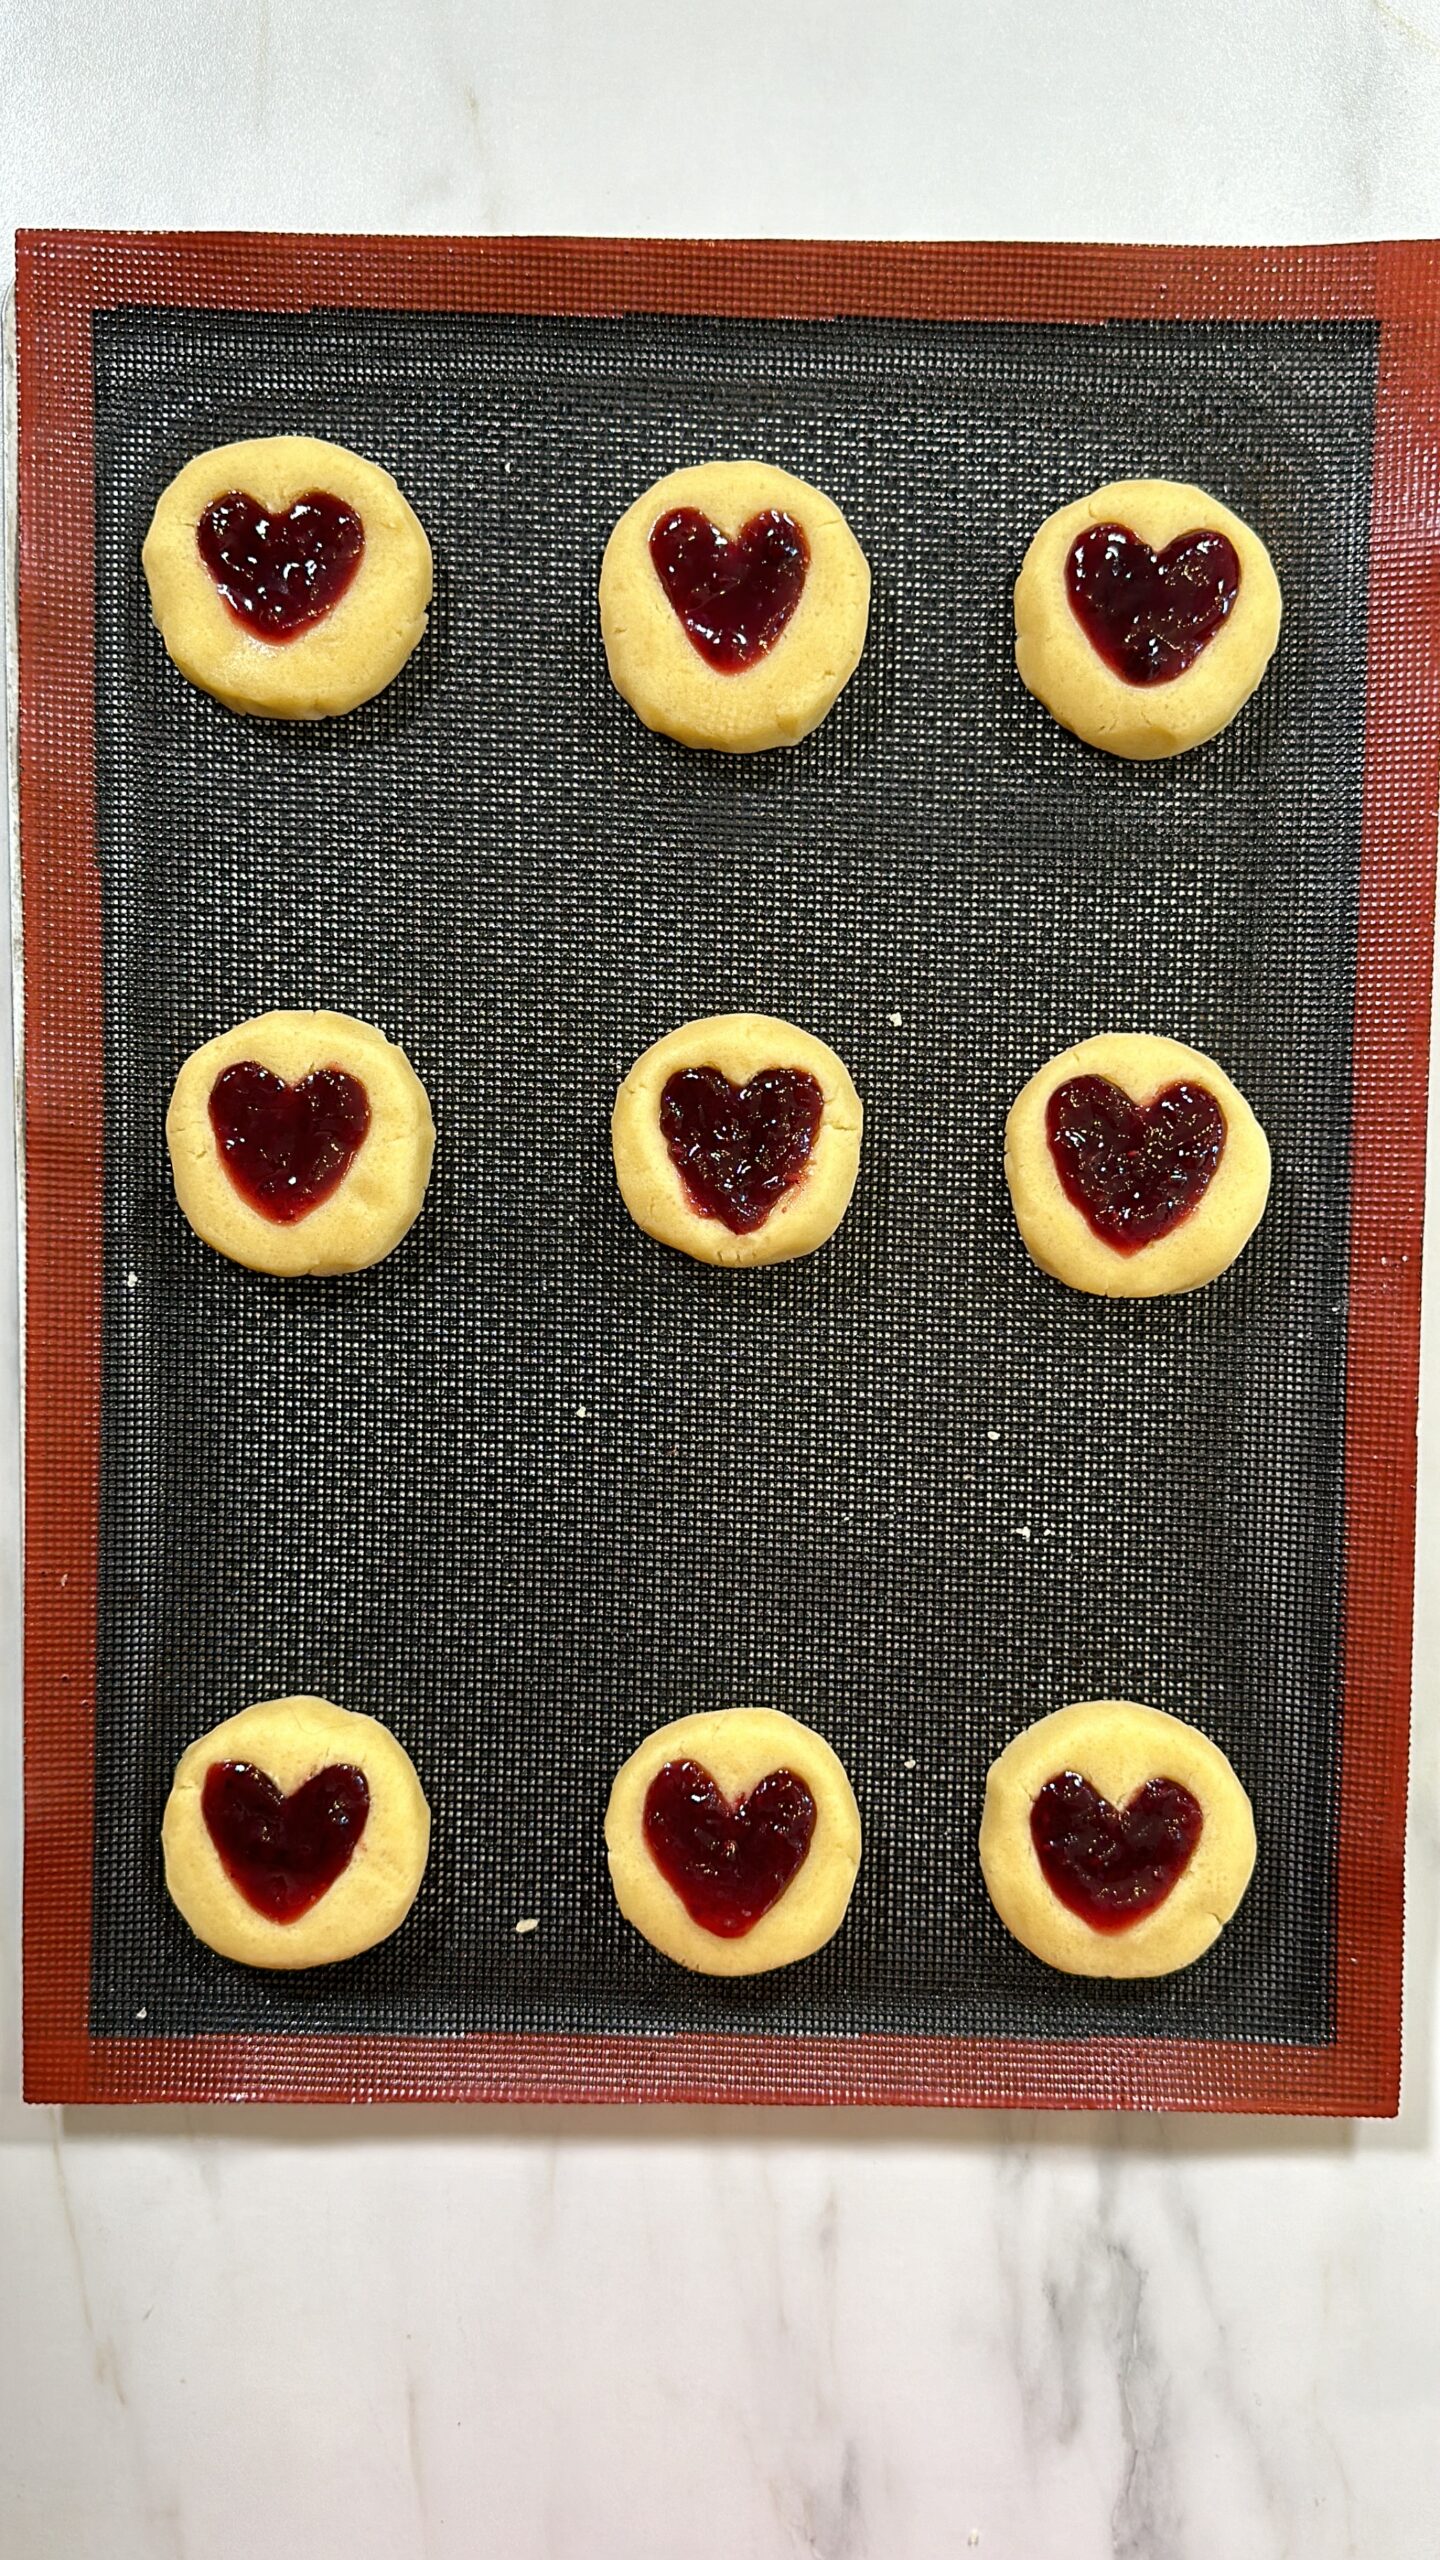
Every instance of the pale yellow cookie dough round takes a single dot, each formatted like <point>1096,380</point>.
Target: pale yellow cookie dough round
<point>291,1740</point>
<point>738,1746</point>
<point>786,692</point>
<point>376,1201</point>
<point>1058,1235</point>
<point>332,665</point>
<point>1064,671</point>
<point>1119,1747</point>
<point>740,1045</point>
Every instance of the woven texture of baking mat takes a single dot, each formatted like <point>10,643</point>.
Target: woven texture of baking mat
<point>535,1484</point>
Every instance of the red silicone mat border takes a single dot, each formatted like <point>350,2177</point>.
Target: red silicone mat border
<point>63,277</point>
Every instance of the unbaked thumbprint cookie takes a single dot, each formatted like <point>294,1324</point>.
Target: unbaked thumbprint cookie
<point>733,1840</point>
<point>1145,617</point>
<point>737,1140</point>
<point>1135,1168</point>
<point>288,577</point>
<point>1115,1840</point>
<point>734,601</point>
<point>295,1834</point>
<point>300,1143</point>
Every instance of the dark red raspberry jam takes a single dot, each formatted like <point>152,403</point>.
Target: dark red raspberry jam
<point>1109,1863</point>
<point>734,594</point>
<point>739,1148</point>
<point>1134,1170</point>
<point>286,1146</point>
<point>1149,614</point>
<point>283,1852</point>
<point>280,573</point>
<point>729,1863</point>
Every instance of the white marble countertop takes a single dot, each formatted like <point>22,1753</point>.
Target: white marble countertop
<point>571,2337</point>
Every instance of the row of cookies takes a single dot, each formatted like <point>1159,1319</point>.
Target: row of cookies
<point>297,1833</point>
<point>734,599</point>
<point>301,1144</point>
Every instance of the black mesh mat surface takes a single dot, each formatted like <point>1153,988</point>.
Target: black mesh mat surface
<point>536,1484</point>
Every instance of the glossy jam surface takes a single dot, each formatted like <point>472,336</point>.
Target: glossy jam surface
<point>1110,1863</point>
<point>729,1863</point>
<point>739,1148</point>
<point>280,574</point>
<point>734,594</point>
<point>283,1852</point>
<point>1134,1170</point>
<point>1149,614</point>
<point>286,1146</point>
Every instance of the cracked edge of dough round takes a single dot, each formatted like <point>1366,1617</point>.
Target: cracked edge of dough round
<point>358,647</point>
<point>739,1746</point>
<point>1058,664</point>
<point>740,1045</point>
<point>380,1196</point>
<point>291,1740</point>
<point>1059,1238</point>
<point>788,692</point>
<point>1118,1745</point>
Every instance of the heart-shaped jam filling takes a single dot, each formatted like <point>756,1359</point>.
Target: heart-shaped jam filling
<point>1133,1169</point>
<point>286,1146</point>
<point>283,1852</point>
<point>734,593</point>
<point>1147,613</point>
<point>729,1863</point>
<point>1110,1863</point>
<point>739,1148</point>
<point>280,573</point>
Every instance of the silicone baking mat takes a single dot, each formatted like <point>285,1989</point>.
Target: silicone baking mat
<point>534,1485</point>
